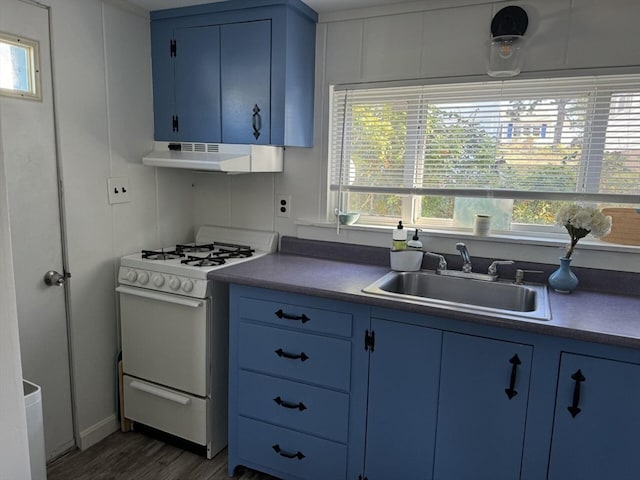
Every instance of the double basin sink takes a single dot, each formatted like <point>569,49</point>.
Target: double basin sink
<point>456,293</point>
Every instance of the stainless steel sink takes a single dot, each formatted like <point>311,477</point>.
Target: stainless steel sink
<point>454,293</point>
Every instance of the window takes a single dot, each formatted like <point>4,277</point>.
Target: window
<point>19,67</point>
<point>516,149</point>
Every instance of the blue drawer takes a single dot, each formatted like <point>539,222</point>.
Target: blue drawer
<point>300,356</point>
<point>294,405</point>
<point>291,453</point>
<point>296,316</point>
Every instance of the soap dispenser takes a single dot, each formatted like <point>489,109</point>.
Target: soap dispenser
<point>399,237</point>
<point>415,241</point>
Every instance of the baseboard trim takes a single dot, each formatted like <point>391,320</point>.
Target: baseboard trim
<point>98,431</point>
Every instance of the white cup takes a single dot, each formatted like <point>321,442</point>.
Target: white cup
<point>482,224</point>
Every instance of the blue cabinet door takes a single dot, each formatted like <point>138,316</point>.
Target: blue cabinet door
<point>246,82</point>
<point>403,401</point>
<point>484,389</point>
<point>164,107</point>
<point>197,83</point>
<point>597,420</point>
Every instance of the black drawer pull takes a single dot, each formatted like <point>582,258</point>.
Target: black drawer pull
<point>574,409</point>
<point>299,455</point>
<point>256,121</point>
<point>283,403</point>
<point>303,318</point>
<point>511,391</point>
<point>292,356</point>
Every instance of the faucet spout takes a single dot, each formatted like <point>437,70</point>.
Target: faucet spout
<point>466,259</point>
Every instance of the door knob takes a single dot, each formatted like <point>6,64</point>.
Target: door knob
<point>55,279</point>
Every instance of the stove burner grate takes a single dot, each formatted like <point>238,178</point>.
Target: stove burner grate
<point>208,247</point>
<point>161,255</point>
<point>207,261</point>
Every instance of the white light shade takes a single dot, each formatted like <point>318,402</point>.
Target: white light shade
<point>504,55</point>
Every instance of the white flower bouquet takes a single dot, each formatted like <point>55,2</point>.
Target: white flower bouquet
<point>581,221</point>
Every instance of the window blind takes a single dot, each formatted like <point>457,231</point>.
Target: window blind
<point>567,138</point>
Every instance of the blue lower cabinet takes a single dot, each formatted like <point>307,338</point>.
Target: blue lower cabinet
<point>403,401</point>
<point>291,454</point>
<point>315,359</point>
<point>332,390</point>
<point>484,392</point>
<point>297,385</point>
<point>313,410</point>
<point>597,420</point>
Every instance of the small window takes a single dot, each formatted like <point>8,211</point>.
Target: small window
<point>19,67</point>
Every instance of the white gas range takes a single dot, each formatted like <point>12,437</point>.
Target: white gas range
<point>182,269</point>
<point>174,333</point>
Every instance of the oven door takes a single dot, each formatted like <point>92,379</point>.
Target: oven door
<point>165,339</point>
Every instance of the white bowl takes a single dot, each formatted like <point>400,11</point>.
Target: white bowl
<point>348,218</point>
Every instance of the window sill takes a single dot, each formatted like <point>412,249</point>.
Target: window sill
<point>590,253</point>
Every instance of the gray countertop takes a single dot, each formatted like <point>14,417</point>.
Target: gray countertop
<point>582,315</point>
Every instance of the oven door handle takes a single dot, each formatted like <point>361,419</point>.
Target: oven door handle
<point>139,292</point>
<point>174,397</point>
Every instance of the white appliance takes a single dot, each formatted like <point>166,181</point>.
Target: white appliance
<point>174,333</point>
<point>216,157</point>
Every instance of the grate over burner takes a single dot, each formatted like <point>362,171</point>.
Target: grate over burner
<point>195,248</point>
<point>208,261</point>
<point>161,255</point>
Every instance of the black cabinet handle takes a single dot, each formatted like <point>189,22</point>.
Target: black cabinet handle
<point>256,121</point>
<point>299,455</point>
<point>303,318</point>
<point>573,408</point>
<point>511,391</point>
<point>292,356</point>
<point>283,403</point>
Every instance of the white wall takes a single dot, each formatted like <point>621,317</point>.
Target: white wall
<point>14,449</point>
<point>428,39</point>
<point>102,76</point>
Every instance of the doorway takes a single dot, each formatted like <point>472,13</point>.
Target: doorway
<point>30,152</point>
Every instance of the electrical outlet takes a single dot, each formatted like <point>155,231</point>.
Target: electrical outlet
<point>283,205</point>
<point>118,190</point>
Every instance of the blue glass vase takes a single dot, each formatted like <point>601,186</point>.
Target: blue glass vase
<point>563,280</point>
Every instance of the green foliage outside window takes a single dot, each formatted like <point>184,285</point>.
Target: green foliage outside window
<point>457,145</point>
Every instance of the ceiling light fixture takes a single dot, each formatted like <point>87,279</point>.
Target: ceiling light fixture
<point>504,49</point>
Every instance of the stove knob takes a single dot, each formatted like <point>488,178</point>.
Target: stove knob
<point>143,278</point>
<point>174,283</point>
<point>131,276</point>
<point>187,285</point>
<point>158,280</point>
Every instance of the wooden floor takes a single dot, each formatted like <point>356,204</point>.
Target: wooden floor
<point>135,456</point>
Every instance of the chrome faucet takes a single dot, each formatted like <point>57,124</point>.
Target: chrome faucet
<point>442,263</point>
<point>466,259</point>
<point>493,268</point>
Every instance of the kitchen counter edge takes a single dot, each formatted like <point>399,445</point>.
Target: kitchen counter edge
<point>582,315</point>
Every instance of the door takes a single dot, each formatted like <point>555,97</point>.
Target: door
<point>246,82</point>
<point>595,430</point>
<point>197,83</point>
<point>28,141</point>
<point>484,390</point>
<point>403,401</point>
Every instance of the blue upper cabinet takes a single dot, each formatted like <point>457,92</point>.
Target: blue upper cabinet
<point>197,84</point>
<point>246,82</point>
<point>234,72</point>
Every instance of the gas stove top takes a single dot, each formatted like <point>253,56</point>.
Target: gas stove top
<point>183,268</point>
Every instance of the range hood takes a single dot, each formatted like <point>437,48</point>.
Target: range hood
<point>216,157</point>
